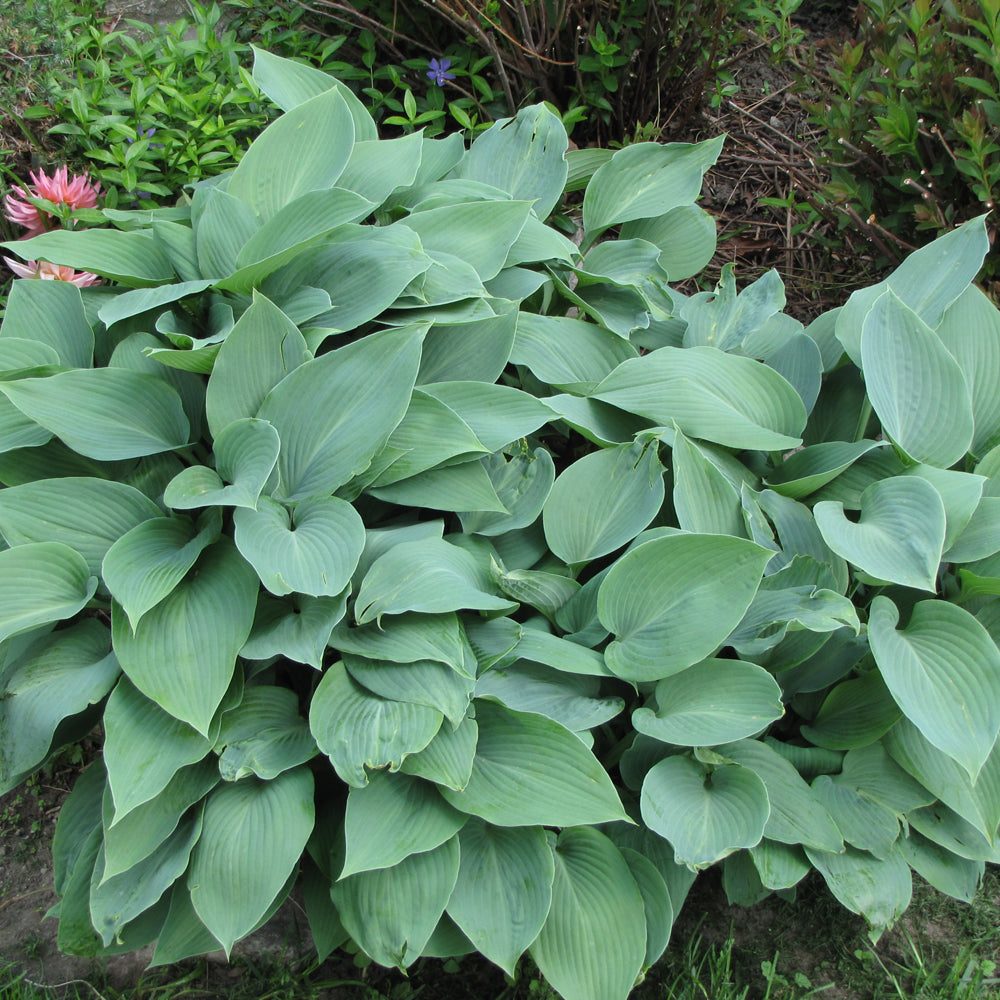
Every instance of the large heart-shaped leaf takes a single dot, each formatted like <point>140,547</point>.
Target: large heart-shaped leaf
<point>704,814</point>
<point>392,817</point>
<point>312,549</point>
<point>183,651</point>
<point>731,400</point>
<point>253,834</point>
<point>899,536</point>
<point>943,670</point>
<point>712,702</point>
<point>504,888</point>
<point>357,395</point>
<point>593,891</point>
<point>672,601</point>
<point>357,729</point>
<point>915,385</point>
<point>104,413</point>
<point>41,582</point>
<point>530,770</point>
<point>602,501</point>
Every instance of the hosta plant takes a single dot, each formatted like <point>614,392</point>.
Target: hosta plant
<point>474,580</point>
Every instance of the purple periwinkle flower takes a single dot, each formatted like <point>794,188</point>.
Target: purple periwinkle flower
<point>146,134</point>
<point>438,71</point>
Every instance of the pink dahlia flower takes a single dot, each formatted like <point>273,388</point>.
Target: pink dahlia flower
<point>61,188</point>
<point>52,272</point>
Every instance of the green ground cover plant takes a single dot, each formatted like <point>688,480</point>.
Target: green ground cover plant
<point>913,115</point>
<point>476,579</point>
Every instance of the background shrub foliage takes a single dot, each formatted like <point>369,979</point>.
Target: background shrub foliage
<point>478,580</point>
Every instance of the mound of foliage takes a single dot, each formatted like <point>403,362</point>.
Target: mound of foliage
<point>476,580</point>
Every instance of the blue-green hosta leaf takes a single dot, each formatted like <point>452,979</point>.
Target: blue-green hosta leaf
<point>274,750</point>
<point>362,268</point>
<point>296,627</point>
<point>357,729</point>
<point>183,934</point>
<point>392,817</point>
<point>602,501</point>
<point>943,670</point>
<point>656,901</point>
<point>704,814</point>
<point>865,824</point>
<point>657,178</point>
<point>504,888</point>
<point>253,834</point>
<point>479,232</point>
<point>672,601</point>
<point>567,353</point>
<point>245,453</point>
<point>980,538</point>
<point>312,214</point>
<point>928,281</point>
<point>49,314</point>
<point>421,682</point>
<point>546,592</point>
<point>685,235</point>
<point>407,638</point>
<point>104,413</point>
<point>305,150</point>
<point>539,646</point>
<point>530,770</point>
<point>183,651</point>
<point>57,676</point>
<point>312,549</point>
<point>879,890</point>
<point>392,912</point>
<point>41,582</point>
<point>149,561</point>
<point>918,390</point>
<point>466,486</point>
<point>141,300</point>
<point>970,329</point>
<point>19,433</point>
<point>524,156</point>
<point>593,891</point>
<point>290,83</point>
<point>573,701</point>
<point>797,816</point>
<point>378,167</point>
<point>223,224</point>
<point>731,400</point>
<point>779,866</point>
<point>899,536</point>
<point>522,485</point>
<point>447,760</point>
<point>142,830</point>
<point>812,468</point>
<point>715,701</point>
<point>432,576</point>
<point>476,352</point>
<point>949,830</point>
<point>131,259</point>
<point>977,802</point>
<point>356,396</point>
<point>117,900</point>
<point>705,499</point>
<point>497,414</point>
<point>430,434</point>
<point>144,748</point>
<point>871,771</point>
<point>854,714</point>
<point>947,872</point>
<point>724,318</point>
<point>87,514</point>
<point>260,350</point>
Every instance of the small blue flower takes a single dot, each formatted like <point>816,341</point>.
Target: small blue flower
<point>438,71</point>
<point>146,134</point>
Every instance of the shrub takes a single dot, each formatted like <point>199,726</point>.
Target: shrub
<point>481,581</point>
<point>614,68</point>
<point>914,114</point>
